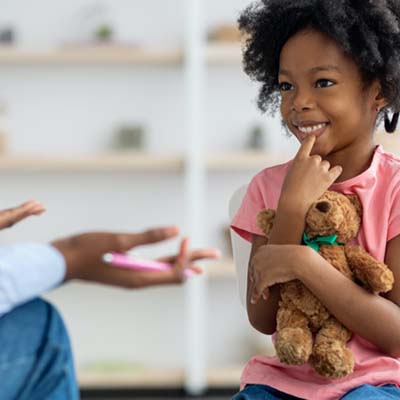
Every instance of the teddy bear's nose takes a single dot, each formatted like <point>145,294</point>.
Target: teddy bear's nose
<point>323,206</point>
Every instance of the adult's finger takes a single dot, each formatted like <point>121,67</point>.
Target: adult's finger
<point>177,273</point>
<point>196,269</point>
<point>13,215</point>
<point>306,147</point>
<point>182,260</point>
<point>195,255</point>
<point>129,240</point>
<point>32,207</point>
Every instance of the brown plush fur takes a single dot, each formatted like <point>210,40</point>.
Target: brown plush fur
<point>306,331</point>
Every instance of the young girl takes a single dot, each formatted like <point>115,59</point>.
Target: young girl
<point>334,68</point>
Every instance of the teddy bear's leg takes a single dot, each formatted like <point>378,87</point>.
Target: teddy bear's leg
<point>293,342</point>
<point>373,275</point>
<point>297,296</point>
<point>330,356</point>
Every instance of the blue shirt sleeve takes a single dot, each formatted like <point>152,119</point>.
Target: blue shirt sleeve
<point>26,271</point>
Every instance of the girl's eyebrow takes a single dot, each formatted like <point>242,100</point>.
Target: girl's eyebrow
<point>314,69</point>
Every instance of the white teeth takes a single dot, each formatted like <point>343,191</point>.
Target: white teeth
<point>310,129</point>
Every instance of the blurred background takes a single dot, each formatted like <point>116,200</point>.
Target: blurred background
<point>128,114</point>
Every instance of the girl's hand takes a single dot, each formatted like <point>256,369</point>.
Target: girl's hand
<point>307,179</point>
<point>83,255</point>
<point>273,264</point>
<point>13,215</point>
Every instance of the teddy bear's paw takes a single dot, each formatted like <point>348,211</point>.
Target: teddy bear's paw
<point>294,345</point>
<point>332,362</point>
<point>373,275</point>
<point>382,282</point>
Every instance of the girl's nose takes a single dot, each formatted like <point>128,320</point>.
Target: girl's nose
<point>302,101</point>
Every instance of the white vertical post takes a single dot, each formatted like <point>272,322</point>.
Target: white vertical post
<point>195,176</point>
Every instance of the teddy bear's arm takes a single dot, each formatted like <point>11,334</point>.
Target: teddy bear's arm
<point>373,275</point>
<point>265,220</point>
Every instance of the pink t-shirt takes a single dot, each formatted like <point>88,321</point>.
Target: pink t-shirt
<point>379,191</point>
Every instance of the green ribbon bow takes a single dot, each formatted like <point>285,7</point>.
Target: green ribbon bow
<point>319,240</point>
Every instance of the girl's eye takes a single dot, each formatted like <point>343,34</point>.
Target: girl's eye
<point>284,86</point>
<point>324,83</point>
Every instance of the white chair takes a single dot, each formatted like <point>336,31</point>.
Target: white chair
<point>240,247</point>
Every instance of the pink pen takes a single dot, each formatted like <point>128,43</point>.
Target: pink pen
<point>129,262</point>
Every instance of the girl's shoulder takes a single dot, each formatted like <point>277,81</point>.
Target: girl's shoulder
<point>388,166</point>
<point>389,158</point>
<point>275,172</point>
<point>265,187</point>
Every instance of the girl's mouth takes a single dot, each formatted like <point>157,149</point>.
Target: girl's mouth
<point>317,130</point>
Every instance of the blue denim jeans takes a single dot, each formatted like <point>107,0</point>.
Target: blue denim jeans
<point>35,355</point>
<point>365,392</point>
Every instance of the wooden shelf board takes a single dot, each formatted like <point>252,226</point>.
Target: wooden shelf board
<point>216,53</point>
<point>90,55</point>
<point>225,376</point>
<point>224,53</point>
<point>251,160</point>
<point>156,378</point>
<point>229,162</point>
<point>136,162</point>
<point>145,378</point>
<point>107,163</point>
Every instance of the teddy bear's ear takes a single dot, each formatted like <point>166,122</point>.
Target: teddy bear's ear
<point>356,202</point>
<point>265,220</point>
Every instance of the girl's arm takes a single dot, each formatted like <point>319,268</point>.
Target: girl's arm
<point>375,318</point>
<point>287,229</point>
<point>262,315</point>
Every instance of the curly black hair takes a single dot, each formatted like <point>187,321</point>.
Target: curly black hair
<point>367,30</point>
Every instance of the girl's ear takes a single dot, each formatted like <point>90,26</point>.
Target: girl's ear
<point>379,100</point>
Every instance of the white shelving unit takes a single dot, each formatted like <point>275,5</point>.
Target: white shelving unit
<point>193,165</point>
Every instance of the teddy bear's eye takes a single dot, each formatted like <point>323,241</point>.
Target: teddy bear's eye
<point>323,206</point>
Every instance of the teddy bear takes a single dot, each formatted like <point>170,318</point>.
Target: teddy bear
<point>306,331</point>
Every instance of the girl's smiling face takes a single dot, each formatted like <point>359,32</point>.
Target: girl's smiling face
<point>322,93</point>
